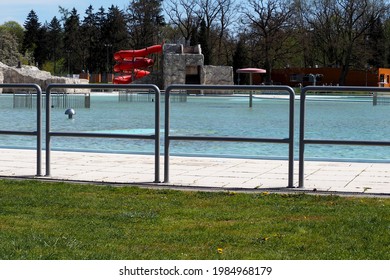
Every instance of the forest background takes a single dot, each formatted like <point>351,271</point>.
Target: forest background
<point>269,34</point>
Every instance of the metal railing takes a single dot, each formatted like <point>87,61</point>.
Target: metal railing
<point>38,132</point>
<point>59,100</point>
<point>155,136</point>
<point>305,141</point>
<point>289,140</point>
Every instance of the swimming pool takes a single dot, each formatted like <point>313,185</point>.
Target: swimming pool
<point>331,117</point>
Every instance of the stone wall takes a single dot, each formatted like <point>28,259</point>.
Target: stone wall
<point>217,75</point>
<point>32,75</point>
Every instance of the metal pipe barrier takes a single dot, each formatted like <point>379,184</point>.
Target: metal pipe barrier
<point>155,136</point>
<point>38,132</point>
<point>289,140</point>
<point>303,141</point>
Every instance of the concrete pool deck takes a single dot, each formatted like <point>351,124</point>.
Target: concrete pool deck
<point>203,173</point>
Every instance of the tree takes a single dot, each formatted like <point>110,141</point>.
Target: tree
<point>182,14</point>
<point>208,12</point>
<point>228,15</point>
<point>98,54</point>
<point>340,28</point>
<point>114,35</point>
<point>90,37</point>
<point>16,30</point>
<point>144,22</point>
<point>54,42</point>
<point>73,43</point>
<point>386,31</point>
<point>9,53</point>
<point>31,34</point>
<point>271,28</point>
<point>375,44</point>
<point>307,54</point>
<point>41,52</point>
<point>204,42</point>
<point>215,16</point>
<point>241,59</point>
<point>115,29</point>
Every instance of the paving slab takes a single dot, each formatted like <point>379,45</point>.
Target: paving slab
<point>202,172</point>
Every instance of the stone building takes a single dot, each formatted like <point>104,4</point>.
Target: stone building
<point>185,65</point>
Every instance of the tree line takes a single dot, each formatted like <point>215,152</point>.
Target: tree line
<point>269,34</point>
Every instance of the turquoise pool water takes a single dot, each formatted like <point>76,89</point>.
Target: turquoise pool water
<point>327,117</point>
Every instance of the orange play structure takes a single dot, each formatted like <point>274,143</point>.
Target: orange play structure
<point>131,64</point>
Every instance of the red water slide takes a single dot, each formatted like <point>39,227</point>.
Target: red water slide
<point>128,66</point>
<point>127,79</point>
<point>130,54</point>
<point>129,63</point>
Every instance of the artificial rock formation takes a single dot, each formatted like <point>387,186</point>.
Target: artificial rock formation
<point>185,65</point>
<point>32,75</point>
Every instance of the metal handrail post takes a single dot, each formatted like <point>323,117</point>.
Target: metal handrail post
<point>39,130</point>
<point>157,136</point>
<point>47,131</point>
<point>166,134</point>
<point>302,139</point>
<point>291,138</point>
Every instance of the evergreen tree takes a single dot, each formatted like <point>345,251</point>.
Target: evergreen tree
<point>54,42</point>
<point>194,39</point>
<point>72,43</point>
<point>203,41</point>
<point>115,34</point>
<point>145,21</point>
<point>41,52</point>
<point>240,60</point>
<point>99,50</point>
<point>31,34</point>
<point>115,29</point>
<point>90,38</point>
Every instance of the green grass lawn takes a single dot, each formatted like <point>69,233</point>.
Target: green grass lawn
<point>41,220</point>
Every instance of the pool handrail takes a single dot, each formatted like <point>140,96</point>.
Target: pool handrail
<point>155,136</point>
<point>303,141</point>
<point>248,88</point>
<point>38,132</point>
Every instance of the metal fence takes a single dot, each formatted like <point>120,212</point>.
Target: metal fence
<point>288,140</point>
<point>59,100</point>
<point>156,136</point>
<point>136,96</point>
<point>38,132</point>
<point>303,141</point>
<point>381,98</point>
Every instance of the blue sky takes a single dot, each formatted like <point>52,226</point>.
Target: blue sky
<point>17,10</point>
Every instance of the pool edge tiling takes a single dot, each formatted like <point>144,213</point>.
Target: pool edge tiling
<point>204,173</point>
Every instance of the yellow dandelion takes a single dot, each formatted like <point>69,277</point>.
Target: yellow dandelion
<point>220,251</point>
